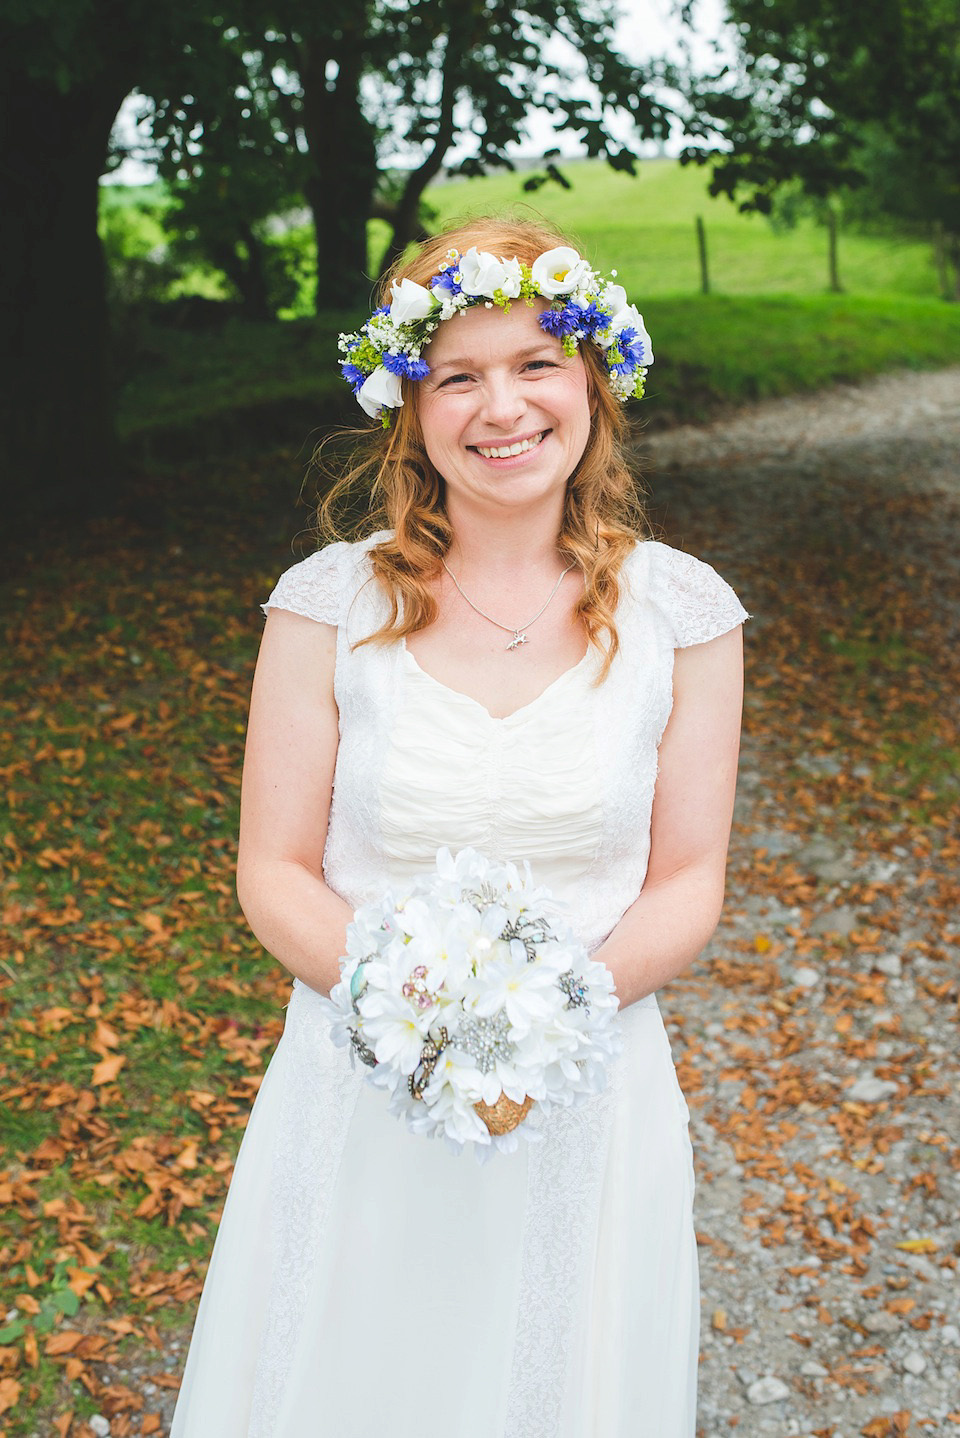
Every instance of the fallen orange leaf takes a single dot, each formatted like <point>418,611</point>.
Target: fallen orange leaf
<point>107,1069</point>
<point>9,1393</point>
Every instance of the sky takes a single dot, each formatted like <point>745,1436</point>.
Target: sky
<point>646,28</point>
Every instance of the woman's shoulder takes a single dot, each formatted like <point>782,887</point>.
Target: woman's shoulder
<point>689,595</point>
<point>324,585</point>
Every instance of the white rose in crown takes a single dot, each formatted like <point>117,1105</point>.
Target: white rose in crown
<point>483,274</point>
<point>410,301</point>
<point>473,1006</point>
<point>559,272</point>
<point>380,390</point>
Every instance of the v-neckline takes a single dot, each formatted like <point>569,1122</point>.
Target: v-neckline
<point>469,699</point>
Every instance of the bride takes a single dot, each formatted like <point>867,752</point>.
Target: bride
<point>504,661</point>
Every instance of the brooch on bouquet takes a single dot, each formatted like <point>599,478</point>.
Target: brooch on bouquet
<point>473,1005</point>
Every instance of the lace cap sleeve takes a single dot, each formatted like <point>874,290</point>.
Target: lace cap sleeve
<point>316,587</point>
<point>697,604</point>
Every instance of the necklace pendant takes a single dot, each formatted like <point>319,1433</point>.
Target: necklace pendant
<point>517,640</point>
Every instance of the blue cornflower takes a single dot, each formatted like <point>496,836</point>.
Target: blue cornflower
<point>593,318</point>
<point>631,346</point>
<point>445,281</point>
<point>561,323</point>
<point>404,366</point>
<point>352,375</point>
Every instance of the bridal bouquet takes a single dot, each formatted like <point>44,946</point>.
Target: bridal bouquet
<point>473,1005</point>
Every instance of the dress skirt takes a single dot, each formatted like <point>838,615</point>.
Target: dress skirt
<point>368,1283</point>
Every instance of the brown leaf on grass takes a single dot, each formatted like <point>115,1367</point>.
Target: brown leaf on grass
<point>105,1037</point>
<point>63,1342</point>
<point>107,1069</point>
<point>62,1424</point>
<point>9,1393</point>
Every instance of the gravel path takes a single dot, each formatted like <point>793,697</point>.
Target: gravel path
<point>816,1039</point>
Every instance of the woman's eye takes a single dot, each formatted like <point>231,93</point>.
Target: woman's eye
<point>455,379</point>
<point>539,364</point>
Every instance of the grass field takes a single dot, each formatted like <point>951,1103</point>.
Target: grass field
<point>767,328</point>
<point>644,226</point>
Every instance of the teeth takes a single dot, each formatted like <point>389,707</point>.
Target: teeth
<point>507,451</point>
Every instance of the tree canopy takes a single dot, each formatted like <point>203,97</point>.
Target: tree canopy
<point>812,79</point>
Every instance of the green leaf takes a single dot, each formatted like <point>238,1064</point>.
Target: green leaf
<point>66,1301</point>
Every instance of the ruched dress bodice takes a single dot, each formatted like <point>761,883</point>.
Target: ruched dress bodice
<point>521,787</point>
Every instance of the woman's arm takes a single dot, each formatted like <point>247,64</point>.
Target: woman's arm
<point>678,908</point>
<point>285,801</point>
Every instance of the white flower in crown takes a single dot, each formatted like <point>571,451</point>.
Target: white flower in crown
<point>380,390</point>
<point>559,272</point>
<point>629,317</point>
<point>483,274</point>
<point>613,298</point>
<point>410,301</point>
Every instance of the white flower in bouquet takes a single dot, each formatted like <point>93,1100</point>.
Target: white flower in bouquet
<point>472,1004</point>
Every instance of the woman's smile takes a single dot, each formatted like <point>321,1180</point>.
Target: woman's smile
<point>510,448</point>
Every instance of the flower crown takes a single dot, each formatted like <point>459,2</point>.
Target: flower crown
<point>583,305</point>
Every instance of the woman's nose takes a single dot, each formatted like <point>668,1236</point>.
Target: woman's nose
<point>503,402</point>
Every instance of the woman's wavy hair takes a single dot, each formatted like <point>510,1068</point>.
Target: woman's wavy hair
<point>390,483</point>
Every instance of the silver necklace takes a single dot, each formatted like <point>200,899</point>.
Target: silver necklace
<point>518,631</point>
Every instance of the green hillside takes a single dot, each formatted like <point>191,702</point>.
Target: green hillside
<point>644,226</point>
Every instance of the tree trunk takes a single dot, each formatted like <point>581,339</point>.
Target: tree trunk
<point>57,447</point>
<point>343,171</point>
<point>247,274</point>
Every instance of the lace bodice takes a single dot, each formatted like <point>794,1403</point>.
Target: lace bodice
<point>567,782</point>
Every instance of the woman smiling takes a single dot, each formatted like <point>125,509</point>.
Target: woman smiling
<point>502,660</point>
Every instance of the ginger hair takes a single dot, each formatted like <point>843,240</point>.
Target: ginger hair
<point>390,483</point>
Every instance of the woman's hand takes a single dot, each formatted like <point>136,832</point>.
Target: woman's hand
<point>291,752</point>
<point>670,923</point>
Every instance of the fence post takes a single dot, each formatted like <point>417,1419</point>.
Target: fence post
<point>836,287</point>
<point>702,248</point>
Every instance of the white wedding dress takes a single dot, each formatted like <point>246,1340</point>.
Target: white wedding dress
<point>368,1283</point>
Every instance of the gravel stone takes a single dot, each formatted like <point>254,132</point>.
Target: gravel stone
<point>871,1090</point>
<point>881,1322</point>
<point>840,921</point>
<point>767,1390</point>
<point>100,1425</point>
<point>915,1363</point>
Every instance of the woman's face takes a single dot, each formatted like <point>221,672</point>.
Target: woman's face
<point>505,414</point>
